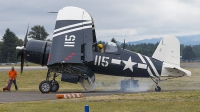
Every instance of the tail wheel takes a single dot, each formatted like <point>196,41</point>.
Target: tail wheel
<point>55,85</point>
<point>45,86</point>
<point>158,89</point>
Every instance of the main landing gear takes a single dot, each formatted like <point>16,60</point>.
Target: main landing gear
<point>156,80</point>
<point>47,85</point>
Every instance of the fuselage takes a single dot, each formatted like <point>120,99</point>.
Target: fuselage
<point>120,63</point>
<point>125,63</point>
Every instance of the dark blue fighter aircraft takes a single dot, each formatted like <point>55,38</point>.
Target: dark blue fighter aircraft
<point>74,54</point>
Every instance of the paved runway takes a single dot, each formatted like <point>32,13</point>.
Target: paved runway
<point>24,96</point>
<point>14,96</point>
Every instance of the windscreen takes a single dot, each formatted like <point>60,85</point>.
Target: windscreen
<point>111,47</point>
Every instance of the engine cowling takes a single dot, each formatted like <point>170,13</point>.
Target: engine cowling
<point>37,51</point>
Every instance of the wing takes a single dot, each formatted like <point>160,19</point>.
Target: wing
<point>73,38</point>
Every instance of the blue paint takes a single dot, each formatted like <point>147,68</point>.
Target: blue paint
<point>87,108</point>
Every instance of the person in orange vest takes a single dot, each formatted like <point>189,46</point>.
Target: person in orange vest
<point>12,75</point>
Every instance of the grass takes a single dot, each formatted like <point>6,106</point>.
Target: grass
<point>181,101</point>
<point>181,94</point>
<point>18,64</point>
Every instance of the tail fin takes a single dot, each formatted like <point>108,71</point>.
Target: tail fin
<point>168,50</point>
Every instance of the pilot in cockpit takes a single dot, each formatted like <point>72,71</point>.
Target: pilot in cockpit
<point>101,48</point>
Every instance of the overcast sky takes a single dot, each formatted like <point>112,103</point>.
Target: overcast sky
<point>122,19</point>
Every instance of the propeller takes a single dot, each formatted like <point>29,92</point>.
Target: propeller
<point>22,49</point>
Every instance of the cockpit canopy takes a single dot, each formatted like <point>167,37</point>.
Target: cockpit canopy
<point>111,47</point>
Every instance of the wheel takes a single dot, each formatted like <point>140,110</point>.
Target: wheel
<point>55,86</point>
<point>45,86</point>
<point>158,89</point>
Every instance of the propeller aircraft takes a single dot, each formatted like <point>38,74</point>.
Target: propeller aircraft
<point>74,54</point>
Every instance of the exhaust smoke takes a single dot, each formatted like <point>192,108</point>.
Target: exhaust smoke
<point>126,85</point>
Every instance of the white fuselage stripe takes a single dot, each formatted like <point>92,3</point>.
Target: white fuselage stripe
<point>69,42</point>
<point>116,61</point>
<point>152,65</point>
<point>72,30</point>
<point>142,66</point>
<point>149,71</point>
<point>142,59</point>
<point>70,26</point>
<point>69,45</point>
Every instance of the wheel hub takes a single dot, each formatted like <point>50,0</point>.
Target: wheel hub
<point>45,87</point>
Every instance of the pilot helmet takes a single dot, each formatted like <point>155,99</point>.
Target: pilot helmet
<point>100,46</point>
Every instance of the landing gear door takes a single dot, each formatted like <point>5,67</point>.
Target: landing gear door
<point>88,52</point>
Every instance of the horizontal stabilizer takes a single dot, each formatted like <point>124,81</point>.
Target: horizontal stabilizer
<point>174,70</point>
<point>181,70</point>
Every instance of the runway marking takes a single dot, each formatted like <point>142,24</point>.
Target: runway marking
<point>69,95</point>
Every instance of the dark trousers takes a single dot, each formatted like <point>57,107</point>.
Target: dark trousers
<point>15,83</point>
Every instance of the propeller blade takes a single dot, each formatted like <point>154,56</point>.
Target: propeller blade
<point>21,50</point>
<point>25,39</point>
<point>22,61</point>
<point>19,54</point>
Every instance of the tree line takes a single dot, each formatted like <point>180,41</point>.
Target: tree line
<point>9,42</point>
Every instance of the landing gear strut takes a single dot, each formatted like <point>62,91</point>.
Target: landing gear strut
<point>156,80</point>
<point>47,85</point>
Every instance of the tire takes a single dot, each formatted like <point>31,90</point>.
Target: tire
<point>45,86</point>
<point>158,89</point>
<point>55,86</point>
